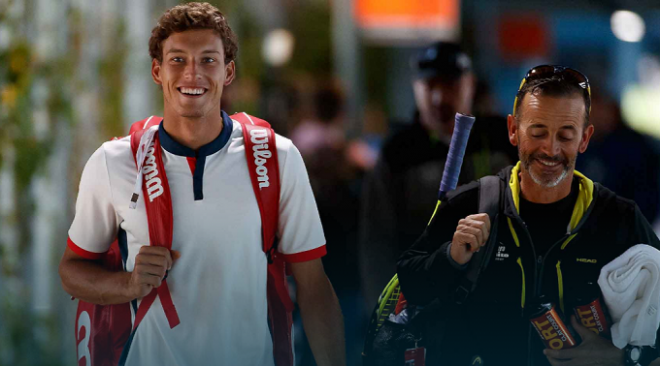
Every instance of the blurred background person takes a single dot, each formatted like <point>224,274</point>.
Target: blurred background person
<point>400,193</point>
<point>333,173</point>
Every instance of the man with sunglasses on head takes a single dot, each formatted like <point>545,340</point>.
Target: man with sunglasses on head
<point>554,231</point>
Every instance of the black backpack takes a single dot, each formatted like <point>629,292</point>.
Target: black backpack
<point>386,341</point>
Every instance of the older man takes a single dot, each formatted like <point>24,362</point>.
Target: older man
<point>551,219</point>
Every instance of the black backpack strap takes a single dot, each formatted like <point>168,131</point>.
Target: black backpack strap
<point>489,202</point>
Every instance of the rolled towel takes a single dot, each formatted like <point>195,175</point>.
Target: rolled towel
<point>631,289</point>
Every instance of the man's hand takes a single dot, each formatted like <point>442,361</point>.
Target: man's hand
<point>471,234</point>
<point>151,265</point>
<point>594,350</point>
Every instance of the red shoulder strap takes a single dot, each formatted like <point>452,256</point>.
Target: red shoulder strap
<point>144,124</point>
<point>158,202</point>
<point>261,155</point>
<point>247,119</point>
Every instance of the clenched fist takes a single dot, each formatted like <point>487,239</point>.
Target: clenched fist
<point>471,234</point>
<point>151,265</point>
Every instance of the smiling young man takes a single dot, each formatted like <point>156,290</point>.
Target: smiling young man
<point>216,271</point>
<point>555,230</point>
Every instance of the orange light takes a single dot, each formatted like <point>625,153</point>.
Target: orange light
<point>407,13</point>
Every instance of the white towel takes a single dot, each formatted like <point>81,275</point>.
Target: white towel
<point>631,289</point>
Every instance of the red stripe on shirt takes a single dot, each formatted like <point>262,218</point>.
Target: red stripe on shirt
<point>82,252</point>
<point>306,256</point>
<point>192,162</point>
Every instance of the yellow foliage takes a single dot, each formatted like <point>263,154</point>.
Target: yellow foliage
<point>8,96</point>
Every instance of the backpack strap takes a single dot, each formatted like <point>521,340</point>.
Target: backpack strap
<point>158,204</point>
<point>489,203</point>
<point>145,123</point>
<point>261,156</point>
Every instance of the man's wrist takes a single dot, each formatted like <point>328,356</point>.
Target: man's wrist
<point>458,266</point>
<point>130,292</point>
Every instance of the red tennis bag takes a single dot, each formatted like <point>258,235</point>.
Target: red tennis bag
<point>103,330</point>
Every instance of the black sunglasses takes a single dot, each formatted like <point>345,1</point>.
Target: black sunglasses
<point>548,71</point>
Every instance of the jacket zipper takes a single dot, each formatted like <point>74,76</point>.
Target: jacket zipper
<point>530,360</point>
<point>541,261</point>
<point>539,264</point>
<point>523,295</point>
<point>560,281</point>
<point>560,276</point>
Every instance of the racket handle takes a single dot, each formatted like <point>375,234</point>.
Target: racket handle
<point>463,125</point>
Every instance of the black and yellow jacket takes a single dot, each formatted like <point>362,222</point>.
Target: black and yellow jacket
<point>493,324</point>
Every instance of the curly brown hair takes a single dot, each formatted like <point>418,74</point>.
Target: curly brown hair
<point>192,16</point>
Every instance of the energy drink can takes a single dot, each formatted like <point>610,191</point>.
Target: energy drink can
<point>590,311</point>
<point>551,327</point>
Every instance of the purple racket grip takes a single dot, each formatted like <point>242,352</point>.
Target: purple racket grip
<point>457,146</point>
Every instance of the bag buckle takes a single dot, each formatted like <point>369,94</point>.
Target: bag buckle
<point>461,294</point>
<point>269,254</point>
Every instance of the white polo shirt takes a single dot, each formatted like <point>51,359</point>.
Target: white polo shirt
<point>218,285</point>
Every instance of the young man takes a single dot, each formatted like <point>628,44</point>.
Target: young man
<point>556,230</point>
<point>216,271</point>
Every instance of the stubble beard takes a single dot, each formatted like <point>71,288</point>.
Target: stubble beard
<point>546,182</point>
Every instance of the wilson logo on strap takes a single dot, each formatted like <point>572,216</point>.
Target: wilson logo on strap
<point>261,153</point>
<point>150,172</point>
<point>144,150</point>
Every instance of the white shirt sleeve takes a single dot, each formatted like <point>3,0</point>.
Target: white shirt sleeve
<point>300,231</point>
<point>95,224</point>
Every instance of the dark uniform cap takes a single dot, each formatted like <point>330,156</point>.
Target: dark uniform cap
<point>441,59</point>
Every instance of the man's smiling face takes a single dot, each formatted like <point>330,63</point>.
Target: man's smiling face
<point>549,136</point>
<point>193,73</point>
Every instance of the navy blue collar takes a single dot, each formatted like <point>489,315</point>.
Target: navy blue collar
<point>212,147</point>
